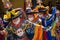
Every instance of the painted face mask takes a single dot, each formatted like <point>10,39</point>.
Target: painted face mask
<point>16,21</point>
<point>30,18</point>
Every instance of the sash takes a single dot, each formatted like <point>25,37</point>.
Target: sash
<point>38,33</point>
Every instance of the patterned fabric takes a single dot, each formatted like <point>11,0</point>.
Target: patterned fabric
<point>14,26</point>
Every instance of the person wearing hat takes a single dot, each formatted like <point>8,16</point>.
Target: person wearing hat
<point>9,14</point>
<point>16,26</point>
<point>57,28</point>
<point>2,35</point>
<point>34,17</point>
<point>47,21</point>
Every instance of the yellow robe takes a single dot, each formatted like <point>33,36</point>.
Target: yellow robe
<point>53,30</point>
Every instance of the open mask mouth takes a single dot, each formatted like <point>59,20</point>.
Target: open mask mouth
<point>31,18</point>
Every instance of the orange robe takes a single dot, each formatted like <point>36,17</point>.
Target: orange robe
<point>38,33</point>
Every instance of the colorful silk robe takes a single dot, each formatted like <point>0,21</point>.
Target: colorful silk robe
<point>38,34</point>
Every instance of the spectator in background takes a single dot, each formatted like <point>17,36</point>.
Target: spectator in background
<point>1,22</point>
<point>57,30</point>
<point>1,32</point>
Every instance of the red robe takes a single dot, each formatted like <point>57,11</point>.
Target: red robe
<point>1,36</point>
